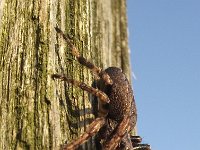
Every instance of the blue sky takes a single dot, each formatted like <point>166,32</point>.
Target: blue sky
<point>164,38</point>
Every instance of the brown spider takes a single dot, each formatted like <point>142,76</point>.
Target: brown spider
<point>116,107</point>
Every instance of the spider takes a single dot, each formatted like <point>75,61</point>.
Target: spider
<point>116,115</point>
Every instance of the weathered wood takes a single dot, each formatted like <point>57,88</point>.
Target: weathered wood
<point>35,111</point>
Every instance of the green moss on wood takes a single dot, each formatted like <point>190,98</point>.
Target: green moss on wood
<point>37,112</point>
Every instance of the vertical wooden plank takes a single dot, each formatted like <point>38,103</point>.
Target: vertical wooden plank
<point>35,111</point>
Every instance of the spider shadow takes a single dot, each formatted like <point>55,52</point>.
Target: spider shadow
<point>72,110</point>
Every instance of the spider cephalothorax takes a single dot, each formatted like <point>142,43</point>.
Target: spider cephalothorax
<point>116,112</point>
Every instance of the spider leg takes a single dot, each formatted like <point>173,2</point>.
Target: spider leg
<point>101,95</point>
<point>136,140</point>
<point>92,129</point>
<point>120,131</point>
<point>142,147</point>
<point>98,71</point>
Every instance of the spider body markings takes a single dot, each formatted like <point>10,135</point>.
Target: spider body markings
<point>117,111</point>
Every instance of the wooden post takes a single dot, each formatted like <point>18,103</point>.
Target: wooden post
<point>37,112</point>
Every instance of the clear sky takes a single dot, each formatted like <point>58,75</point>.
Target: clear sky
<point>164,38</point>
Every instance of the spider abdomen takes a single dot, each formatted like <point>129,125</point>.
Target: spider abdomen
<point>120,94</point>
